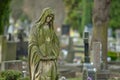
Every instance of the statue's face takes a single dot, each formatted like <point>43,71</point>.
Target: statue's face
<point>49,18</point>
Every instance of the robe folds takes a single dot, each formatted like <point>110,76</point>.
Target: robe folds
<point>43,52</point>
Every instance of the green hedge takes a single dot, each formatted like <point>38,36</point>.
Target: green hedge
<point>10,75</point>
<point>112,55</point>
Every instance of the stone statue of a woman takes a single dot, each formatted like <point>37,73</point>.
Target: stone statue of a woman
<point>43,48</point>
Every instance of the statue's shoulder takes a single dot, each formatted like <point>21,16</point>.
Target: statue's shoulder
<point>35,26</point>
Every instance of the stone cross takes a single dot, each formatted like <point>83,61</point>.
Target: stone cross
<point>86,47</point>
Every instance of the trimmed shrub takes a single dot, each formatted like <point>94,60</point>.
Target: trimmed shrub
<point>11,74</point>
<point>112,55</point>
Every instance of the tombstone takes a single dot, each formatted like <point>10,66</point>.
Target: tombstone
<point>1,49</point>
<point>118,40</point>
<point>86,46</point>
<point>7,49</point>
<point>66,30</point>
<point>70,55</point>
<point>96,55</point>
<point>98,63</point>
<point>10,50</point>
<point>89,72</point>
<point>3,46</point>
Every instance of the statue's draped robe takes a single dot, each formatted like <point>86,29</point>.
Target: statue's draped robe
<point>43,53</point>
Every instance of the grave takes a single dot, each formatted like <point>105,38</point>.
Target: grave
<point>10,51</point>
<point>7,49</point>
<point>118,44</point>
<point>89,72</point>
<point>96,55</point>
<point>2,48</point>
<point>98,63</point>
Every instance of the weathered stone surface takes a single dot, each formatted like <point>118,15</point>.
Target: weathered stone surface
<point>43,48</point>
<point>10,51</point>
<point>7,49</point>
<point>96,55</point>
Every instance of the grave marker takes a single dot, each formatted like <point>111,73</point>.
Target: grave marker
<point>86,46</point>
<point>97,55</point>
<point>89,72</point>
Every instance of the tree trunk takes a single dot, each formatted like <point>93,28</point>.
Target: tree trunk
<point>100,26</point>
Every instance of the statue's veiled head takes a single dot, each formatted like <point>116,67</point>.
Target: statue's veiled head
<point>46,16</point>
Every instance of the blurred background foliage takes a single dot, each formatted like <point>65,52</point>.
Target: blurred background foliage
<point>4,14</point>
<point>78,13</point>
<point>114,22</point>
<point>112,55</point>
<point>115,14</point>
<point>17,12</point>
<point>73,12</point>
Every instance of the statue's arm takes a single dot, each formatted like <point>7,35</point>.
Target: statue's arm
<point>33,42</point>
<point>56,49</point>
